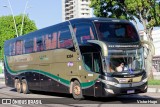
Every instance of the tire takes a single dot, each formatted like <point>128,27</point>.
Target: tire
<point>18,86</point>
<point>25,89</point>
<point>15,83</point>
<point>77,91</point>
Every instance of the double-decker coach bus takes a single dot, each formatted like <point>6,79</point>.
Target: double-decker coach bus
<point>97,57</point>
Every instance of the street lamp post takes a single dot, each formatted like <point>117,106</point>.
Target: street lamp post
<point>13,17</point>
<point>23,18</point>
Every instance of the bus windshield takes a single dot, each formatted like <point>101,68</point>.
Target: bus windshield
<point>124,61</point>
<point>116,32</point>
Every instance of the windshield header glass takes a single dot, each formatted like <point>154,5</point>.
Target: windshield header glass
<point>116,32</point>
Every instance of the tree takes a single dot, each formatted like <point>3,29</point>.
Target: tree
<point>7,29</point>
<point>146,11</point>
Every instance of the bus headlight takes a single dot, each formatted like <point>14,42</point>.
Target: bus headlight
<point>145,80</point>
<point>111,83</point>
<point>109,91</point>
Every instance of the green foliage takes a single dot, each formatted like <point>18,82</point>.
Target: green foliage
<point>146,11</point>
<point>110,9</point>
<point>7,28</point>
<point>0,70</point>
<point>154,82</point>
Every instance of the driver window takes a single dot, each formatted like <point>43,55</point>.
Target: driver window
<point>92,62</point>
<point>97,62</point>
<point>87,59</point>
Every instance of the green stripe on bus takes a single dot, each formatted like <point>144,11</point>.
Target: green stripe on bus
<point>66,82</point>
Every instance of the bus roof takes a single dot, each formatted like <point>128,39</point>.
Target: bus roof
<point>97,19</point>
<point>73,21</point>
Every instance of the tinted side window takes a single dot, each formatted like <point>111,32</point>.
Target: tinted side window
<point>50,41</point>
<point>97,62</point>
<point>40,44</point>
<point>19,47</point>
<point>87,58</point>
<point>29,46</point>
<point>12,48</point>
<point>83,32</point>
<point>64,38</point>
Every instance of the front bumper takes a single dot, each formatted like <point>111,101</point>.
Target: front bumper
<point>110,90</point>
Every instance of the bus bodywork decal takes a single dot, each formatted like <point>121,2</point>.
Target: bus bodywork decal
<point>65,82</point>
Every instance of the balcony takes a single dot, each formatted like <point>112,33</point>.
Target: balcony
<point>71,1</point>
<point>67,3</point>
<point>67,8</point>
<point>85,11</point>
<point>67,12</point>
<point>70,7</point>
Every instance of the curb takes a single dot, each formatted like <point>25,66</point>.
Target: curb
<point>153,90</point>
<point>2,82</point>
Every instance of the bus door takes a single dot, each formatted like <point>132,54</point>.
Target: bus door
<point>92,63</point>
<point>97,64</point>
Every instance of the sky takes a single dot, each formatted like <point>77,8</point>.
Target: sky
<point>43,12</point>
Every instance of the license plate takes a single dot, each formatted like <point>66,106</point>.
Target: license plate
<point>130,91</point>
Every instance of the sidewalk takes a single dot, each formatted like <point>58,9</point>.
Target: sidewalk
<point>1,75</point>
<point>154,88</point>
<point>2,79</point>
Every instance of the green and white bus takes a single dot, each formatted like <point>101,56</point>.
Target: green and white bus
<point>97,57</point>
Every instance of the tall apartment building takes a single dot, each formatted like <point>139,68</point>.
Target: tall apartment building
<point>75,9</point>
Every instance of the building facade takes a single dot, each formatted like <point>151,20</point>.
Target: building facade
<point>156,42</point>
<point>75,9</point>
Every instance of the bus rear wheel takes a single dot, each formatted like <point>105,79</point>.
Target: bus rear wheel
<point>77,91</point>
<point>15,83</point>
<point>25,89</point>
<point>18,86</point>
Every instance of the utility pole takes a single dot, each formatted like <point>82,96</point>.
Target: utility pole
<point>23,17</point>
<point>15,26</point>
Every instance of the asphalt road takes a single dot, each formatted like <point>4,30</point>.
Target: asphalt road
<point>46,99</point>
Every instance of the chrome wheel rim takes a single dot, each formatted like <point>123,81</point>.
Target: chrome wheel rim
<point>77,90</point>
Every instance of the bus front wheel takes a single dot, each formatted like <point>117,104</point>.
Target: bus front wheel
<point>25,86</point>
<point>18,86</point>
<point>77,90</point>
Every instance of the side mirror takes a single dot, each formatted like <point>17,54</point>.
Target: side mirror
<point>148,47</point>
<point>146,52</point>
<point>102,45</point>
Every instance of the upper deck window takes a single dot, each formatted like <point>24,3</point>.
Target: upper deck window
<point>116,32</point>
<point>64,38</point>
<point>29,46</point>
<point>83,32</point>
<point>12,48</point>
<point>19,47</point>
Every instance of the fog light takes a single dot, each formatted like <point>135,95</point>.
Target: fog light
<point>145,80</point>
<point>145,87</point>
<point>109,91</point>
